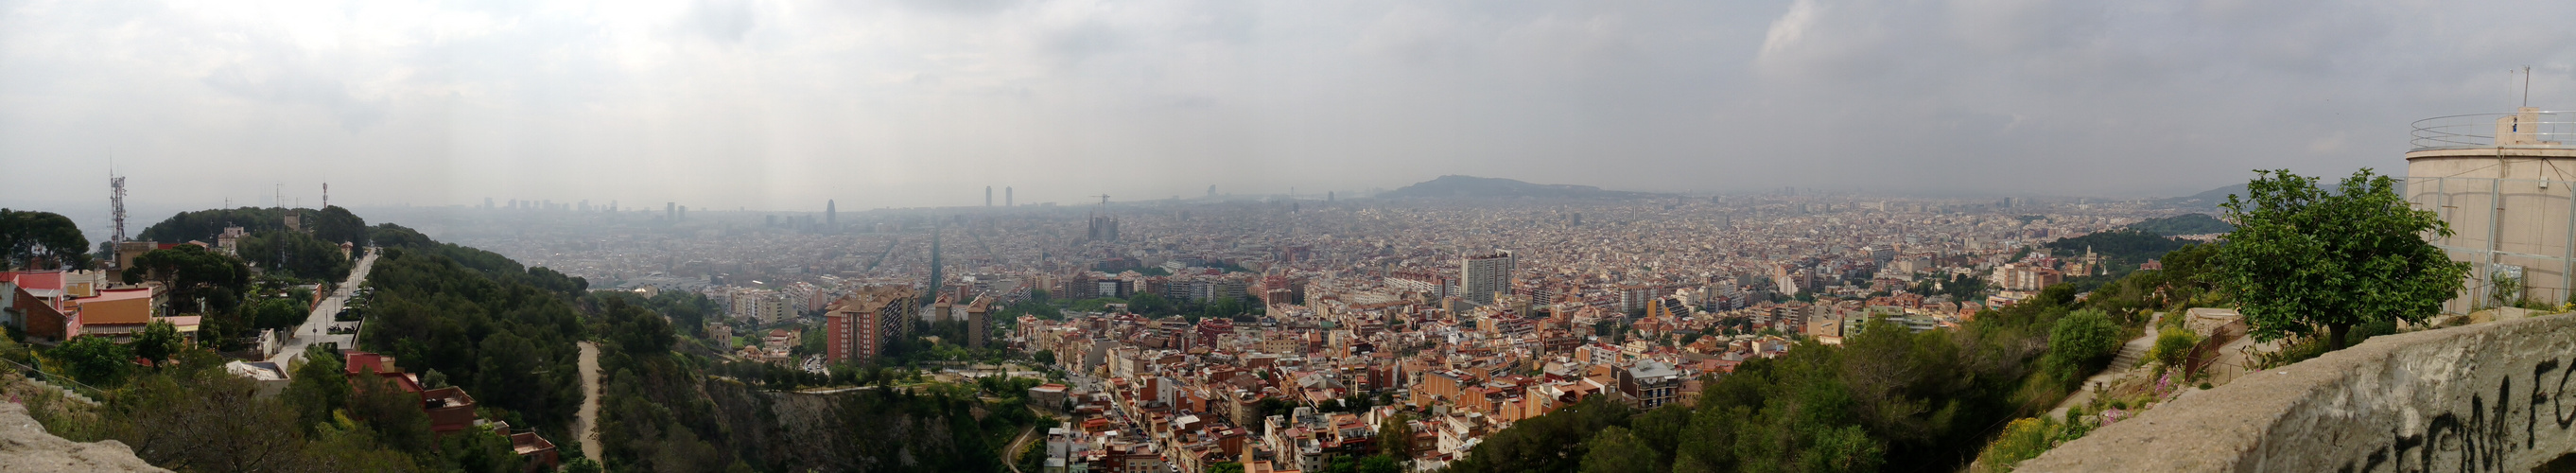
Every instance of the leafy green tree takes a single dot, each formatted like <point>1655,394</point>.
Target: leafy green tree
<point>336,225</point>
<point>158,341</point>
<point>2023,439</point>
<point>2173,346</point>
<point>95,360</point>
<point>1616,450</point>
<point>319,387</point>
<point>396,236</point>
<point>1148,304</point>
<point>1395,436</point>
<point>274,313</point>
<point>295,254</point>
<point>478,450</point>
<point>2303,258</point>
<point>2081,343</point>
<point>394,415</point>
<point>203,419</point>
<point>581,465</point>
<point>193,274</point>
<point>42,240</point>
<point>1846,449</point>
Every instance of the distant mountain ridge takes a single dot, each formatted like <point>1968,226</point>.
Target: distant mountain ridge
<point>2205,199</point>
<point>1490,187</point>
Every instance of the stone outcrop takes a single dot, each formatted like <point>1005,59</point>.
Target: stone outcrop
<point>2483,397</point>
<point>25,447</point>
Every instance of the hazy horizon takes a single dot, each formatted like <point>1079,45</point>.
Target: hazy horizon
<point>782,105</point>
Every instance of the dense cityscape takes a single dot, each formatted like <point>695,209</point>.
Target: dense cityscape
<point>1252,236</point>
<point>1460,316</point>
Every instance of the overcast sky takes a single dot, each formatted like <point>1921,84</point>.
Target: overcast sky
<point>780,105</point>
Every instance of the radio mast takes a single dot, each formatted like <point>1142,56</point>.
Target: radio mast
<point>116,203</point>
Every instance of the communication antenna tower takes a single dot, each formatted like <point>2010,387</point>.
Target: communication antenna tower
<point>326,195</point>
<point>115,203</point>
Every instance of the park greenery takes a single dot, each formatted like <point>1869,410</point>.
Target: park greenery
<point>2185,224</point>
<point>2123,249</point>
<point>2304,259</point>
<point>503,332</point>
<point>187,413</point>
<point>41,240</point>
<point>332,224</point>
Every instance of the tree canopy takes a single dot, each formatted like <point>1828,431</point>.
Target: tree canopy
<point>192,274</point>
<point>331,224</point>
<point>42,240</point>
<point>296,255</point>
<point>2303,258</point>
<point>2185,224</point>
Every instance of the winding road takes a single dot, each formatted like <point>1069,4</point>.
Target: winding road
<point>586,422</point>
<point>316,327</point>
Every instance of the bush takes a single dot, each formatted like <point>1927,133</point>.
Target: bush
<point>2174,346</point>
<point>2080,344</point>
<point>2023,439</point>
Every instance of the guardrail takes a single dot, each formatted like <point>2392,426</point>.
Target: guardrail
<point>60,381</point>
<point>2523,129</point>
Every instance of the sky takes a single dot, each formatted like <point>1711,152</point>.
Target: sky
<point>780,105</point>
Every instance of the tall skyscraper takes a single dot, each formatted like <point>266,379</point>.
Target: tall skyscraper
<point>1006,196</point>
<point>831,214</point>
<point>671,211</point>
<point>988,196</point>
<point>1484,275</point>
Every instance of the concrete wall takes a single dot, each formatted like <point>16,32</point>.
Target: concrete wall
<point>2485,397</point>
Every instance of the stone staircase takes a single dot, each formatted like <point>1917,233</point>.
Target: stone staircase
<point>68,393</point>
<point>2130,356</point>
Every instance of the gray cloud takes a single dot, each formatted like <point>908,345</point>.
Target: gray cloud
<point>781,104</point>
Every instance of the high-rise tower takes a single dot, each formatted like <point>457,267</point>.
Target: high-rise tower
<point>988,196</point>
<point>1481,276</point>
<point>831,214</point>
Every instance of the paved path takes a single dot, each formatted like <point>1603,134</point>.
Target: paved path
<point>315,327</point>
<point>586,422</point>
<point>2131,354</point>
<point>1011,454</point>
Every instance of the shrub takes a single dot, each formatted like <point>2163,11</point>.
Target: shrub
<point>2023,439</point>
<point>2173,346</point>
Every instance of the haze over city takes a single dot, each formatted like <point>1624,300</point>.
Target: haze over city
<point>1311,236</point>
<point>782,105</point>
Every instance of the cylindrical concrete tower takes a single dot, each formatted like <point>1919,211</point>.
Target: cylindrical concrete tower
<point>2506,183</point>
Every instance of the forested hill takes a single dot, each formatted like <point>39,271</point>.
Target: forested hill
<point>311,255</point>
<point>480,321</point>
<point>2185,224</point>
<point>508,333</point>
<point>2125,246</point>
<point>331,224</point>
